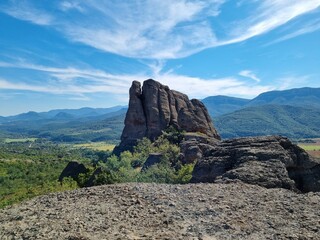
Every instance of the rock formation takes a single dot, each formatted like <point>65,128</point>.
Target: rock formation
<point>155,107</point>
<point>153,159</point>
<point>73,169</point>
<point>272,162</point>
<point>194,146</point>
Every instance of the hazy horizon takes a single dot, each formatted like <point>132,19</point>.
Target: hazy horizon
<point>72,54</point>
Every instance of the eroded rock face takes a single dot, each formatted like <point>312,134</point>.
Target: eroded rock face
<point>194,146</point>
<point>155,108</point>
<point>135,121</point>
<point>272,162</point>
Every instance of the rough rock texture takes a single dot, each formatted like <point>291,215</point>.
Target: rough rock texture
<point>73,169</point>
<point>155,108</point>
<point>151,211</point>
<point>194,146</point>
<point>152,159</point>
<point>272,162</point>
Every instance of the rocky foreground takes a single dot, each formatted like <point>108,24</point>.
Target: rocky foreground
<point>158,211</point>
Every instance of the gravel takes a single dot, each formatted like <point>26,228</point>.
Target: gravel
<point>162,211</point>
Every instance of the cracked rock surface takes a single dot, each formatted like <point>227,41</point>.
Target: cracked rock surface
<point>160,211</point>
<point>154,107</point>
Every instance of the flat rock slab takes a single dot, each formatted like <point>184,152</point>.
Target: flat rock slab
<point>159,211</point>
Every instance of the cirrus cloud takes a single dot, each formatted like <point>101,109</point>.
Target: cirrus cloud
<point>159,29</point>
<point>79,82</point>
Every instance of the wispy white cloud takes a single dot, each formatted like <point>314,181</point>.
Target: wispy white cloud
<point>23,10</point>
<point>80,97</point>
<point>293,81</point>
<point>249,74</point>
<point>147,29</point>
<point>308,28</point>
<point>269,15</point>
<point>5,84</point>
<point>162,29</point>
<point>201,88</point>
<point>71,5</point>
<point>71,75</point>
<point>79,82</point>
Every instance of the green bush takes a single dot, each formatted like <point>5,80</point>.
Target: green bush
<point>158,173</point>
<point>117,170</point>
<point>127,167</point>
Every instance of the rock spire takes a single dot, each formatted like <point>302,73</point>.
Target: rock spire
<point>154,107</point>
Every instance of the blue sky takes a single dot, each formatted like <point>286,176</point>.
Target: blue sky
<point>73,53</point>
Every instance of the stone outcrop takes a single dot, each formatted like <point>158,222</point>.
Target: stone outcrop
<point>153,159</point>
<point>272,162</point>
<point>73,169</point>
<point>194,146</point>
<point>93,178</point>
<point>155,107</point>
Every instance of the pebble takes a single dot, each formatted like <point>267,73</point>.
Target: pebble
<point>160,211</point>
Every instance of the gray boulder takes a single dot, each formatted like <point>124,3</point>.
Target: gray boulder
<point>153,158</point>
<point>272,162</point>
<point>194,146</point>
<point>73,169</point>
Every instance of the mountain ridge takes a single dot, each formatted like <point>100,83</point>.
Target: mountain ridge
<point>215,104</point>
<point>219,105</point>
<point>255,119</point>
<point>78,112</point>
<point>295,97</point>
<point>302,97</point>
<point>286,120</point>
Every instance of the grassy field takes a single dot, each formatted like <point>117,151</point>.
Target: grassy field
<point>100,146</point>
<point>17,140</point>
<point>312,148</point>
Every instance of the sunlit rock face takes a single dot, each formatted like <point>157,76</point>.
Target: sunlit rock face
<point>154,107</point>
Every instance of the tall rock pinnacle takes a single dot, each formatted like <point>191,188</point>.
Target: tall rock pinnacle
<point>155,107</point>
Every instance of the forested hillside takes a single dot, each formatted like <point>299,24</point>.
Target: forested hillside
<point>293,122</point>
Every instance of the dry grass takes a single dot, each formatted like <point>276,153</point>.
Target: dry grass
<point>100,146</point>
<point>10,140</point>
<point>312,148</point>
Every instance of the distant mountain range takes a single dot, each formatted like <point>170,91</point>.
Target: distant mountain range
<point>293,113</point>
<point>289,121</point>
<point>67,125</point>
<point>85,112</point>
<point>219,105</point>
<point>298,97</point>
<point>302,97</point>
